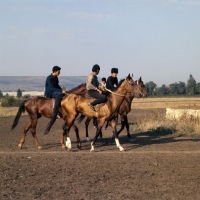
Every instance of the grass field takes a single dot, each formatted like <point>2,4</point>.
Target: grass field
<point>147,103</point>
<point>174,102</point>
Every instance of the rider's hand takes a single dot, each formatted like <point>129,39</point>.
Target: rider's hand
<point>64,91</point>
<point>99,91</point>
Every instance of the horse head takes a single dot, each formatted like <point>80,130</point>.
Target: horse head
<point>142,88</point>
<point>129,83</point>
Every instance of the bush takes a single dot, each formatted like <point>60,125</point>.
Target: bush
<point>10,101</point>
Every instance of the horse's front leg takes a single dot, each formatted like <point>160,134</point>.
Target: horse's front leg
<point>77,136</point>
<point>64,133</point>
<point>113,125</point>
<point>98,131</point>
<point>127,129</point>
<point>86,128</point>
<point>69,123</point>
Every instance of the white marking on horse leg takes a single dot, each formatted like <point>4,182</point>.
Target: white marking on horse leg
<point>92,147</point>
<point>118,144</point>
<point>68,143</point>
<point>88,139</point>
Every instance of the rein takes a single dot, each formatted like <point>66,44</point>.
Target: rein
<point>114,92</point>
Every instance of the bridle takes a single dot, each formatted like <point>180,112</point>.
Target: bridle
<point>115,92</point>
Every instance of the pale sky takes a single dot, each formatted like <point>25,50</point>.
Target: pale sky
<point>156,39</point>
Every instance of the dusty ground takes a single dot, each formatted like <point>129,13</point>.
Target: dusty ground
<point>153,167</point>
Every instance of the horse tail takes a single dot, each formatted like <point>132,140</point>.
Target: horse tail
<point>80,119</point>
<point>19,112</point>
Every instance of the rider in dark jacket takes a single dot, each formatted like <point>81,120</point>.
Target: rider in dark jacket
<point>53,89</point>
<point>112,80</point>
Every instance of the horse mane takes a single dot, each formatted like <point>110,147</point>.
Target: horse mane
<point>121,81</point>
<point>75,88</point>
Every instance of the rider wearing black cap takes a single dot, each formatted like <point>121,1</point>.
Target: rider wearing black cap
<point>112,80</point>
<point>92,85</point>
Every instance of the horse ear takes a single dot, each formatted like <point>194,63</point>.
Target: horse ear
<point>140,78</point>
<point>128,75</point>
<point>131,75</point>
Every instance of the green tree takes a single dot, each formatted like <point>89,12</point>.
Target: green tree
<point>150,86</point>
<point>19,93</point>
<point>191,86</point>
<point>163,90</point>
<point>181,88</point>
<point>1,94</point>
<point>173,88</point>
<point>198,88</point>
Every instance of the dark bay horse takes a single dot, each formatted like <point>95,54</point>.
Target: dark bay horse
<point>124,109</point>
<point>36,107</point>
<point>79,104</point>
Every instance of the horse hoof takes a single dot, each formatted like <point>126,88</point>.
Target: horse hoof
<point>78,147</point>
<point>20,146</point>
<point>39,147</point>
<point>88,139</point>
<point>68,149</point>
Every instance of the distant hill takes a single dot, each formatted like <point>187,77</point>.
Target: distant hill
<point>36,83</point>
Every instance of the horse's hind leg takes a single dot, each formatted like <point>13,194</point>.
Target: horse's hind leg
<point>26,128</point>
<point>33,131</point>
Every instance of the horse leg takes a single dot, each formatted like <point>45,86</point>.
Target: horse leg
<point>95,138</point>
<point>127,128</point>
<point>122,125</point>
<point>33,131</point>
<point>107,124</point>
<point>26,128</point>
<point>77,136</point>
<point>86,128</point>
<point>62,140</point>
<point>69,123</point>
<point>113,125</point>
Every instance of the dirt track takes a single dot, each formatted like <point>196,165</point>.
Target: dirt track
<point>153,167</point>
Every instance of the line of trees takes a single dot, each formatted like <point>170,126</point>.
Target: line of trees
<point>191,88</point>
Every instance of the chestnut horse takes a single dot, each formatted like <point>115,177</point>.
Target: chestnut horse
<point>124,109</point>
<point>36,107</point>
<point>74,104</point>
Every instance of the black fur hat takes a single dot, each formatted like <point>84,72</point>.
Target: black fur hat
<point>114,70</point>
<point>103,79</point>
<point>56,68</point>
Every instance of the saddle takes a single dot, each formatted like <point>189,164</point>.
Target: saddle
<point>87,96</point>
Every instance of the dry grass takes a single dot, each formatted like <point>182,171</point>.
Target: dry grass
<point>185,102</point>
<point>155,123</point>
<point>8,111</point>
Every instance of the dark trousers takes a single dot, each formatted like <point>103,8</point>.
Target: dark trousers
<point>58,96</point>
<point>100,98</point>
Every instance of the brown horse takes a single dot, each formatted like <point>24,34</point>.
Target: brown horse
<point>124,109</point>
<point>36,107</point>
<point>74,104</point>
